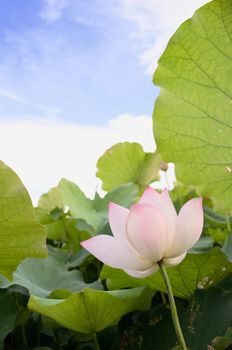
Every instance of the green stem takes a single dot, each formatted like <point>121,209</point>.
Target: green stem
<point>22,328</point>
<point>228,222</point>
<point>23,333</point>
<point>175,318</point>
<point>95,340</point>
<point>164,299</point>
<point>56,336</point>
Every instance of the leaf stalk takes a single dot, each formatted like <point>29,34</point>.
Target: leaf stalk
<point>95,340</point>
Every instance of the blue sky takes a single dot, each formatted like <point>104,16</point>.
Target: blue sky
<point>79,62</point>
<point>76,78</point>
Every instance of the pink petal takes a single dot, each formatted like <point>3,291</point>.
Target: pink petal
<point>174,261</point>
<point>113,252</point>
<point>189,227</point>
<point>163,203</point>
<point>117,218</point>
<point>143,274</point>
<point>147,231</point>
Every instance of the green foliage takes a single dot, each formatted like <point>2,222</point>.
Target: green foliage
<point>35,275</point>
<point>8,314</point>
<point>221,343</point>
<point>204,322</point>
<point>127,162</point>
<point>227,246</point>
<point>51,200</point>
<point>204,245</point>
<point>54,226</point>
<point>192,115</point>
<point>181,194</point>
<point>212,308</point>
<point>20,235</point>
<point>94,212</point>
<point>216,220</point>
<point>197,271</point>
<point>91,311</point>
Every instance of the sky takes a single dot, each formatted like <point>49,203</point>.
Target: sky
<point>75,78</point>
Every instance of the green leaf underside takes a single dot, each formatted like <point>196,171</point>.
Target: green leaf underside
<point>55,228</point>
<point>203,245</point>
<point>9,311</point>
<point>127,162</point>
<point>212,308</point>
<point>95,212</point>
<point>91,310</point>
<point>197,271</point>
<point>216,220</point>
<point>227,246</point>
<point>20,235</point>
<point>205,319</point>
<point>42,276</point>
<point>192,116</point>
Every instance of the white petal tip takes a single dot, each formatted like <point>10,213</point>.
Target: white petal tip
<point>85,244</point>
<point>143,274</point>
<point>111,205</point>
<point>169,262</point>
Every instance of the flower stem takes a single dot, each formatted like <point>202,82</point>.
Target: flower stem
<point>95,340</point>
<point>175,318</point>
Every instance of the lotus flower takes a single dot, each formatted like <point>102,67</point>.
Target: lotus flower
<point>149,232</point>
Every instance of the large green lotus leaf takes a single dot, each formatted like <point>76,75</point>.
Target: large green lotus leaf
<point>124,195</point>
<point>55,228</point>
<point>204,322</point>
<point>50,212</point>
<point>51,200</point>
<point>127,162</point>
<point>95,212</point>
<point>192,115</point>
<point>227,246</point>
<point>20,235</point>
<point>215,220</point>
<point>42,276</point>
<point>59,225</point>
<point>8,314</point>
<point>79,205</point>
<point>203,245</point>
<point>92,310</point>
<point>197,271</point>
<point>212,308</point>
<point>77,230</point>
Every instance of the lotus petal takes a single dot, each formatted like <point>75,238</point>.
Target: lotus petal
<point>163,203</point>
<point>174,261</point>
<point>147,231</point>
<point>189,228</point>
<point>117,219</point>
<point>143,274</point>
<point>115,253</point>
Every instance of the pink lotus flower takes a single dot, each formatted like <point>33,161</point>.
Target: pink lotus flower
<point>149,232</point>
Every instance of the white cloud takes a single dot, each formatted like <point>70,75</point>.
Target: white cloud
<point>9,95</point>
<point>156,21</point>
<point>53,9</point>
<point>41,153</point>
